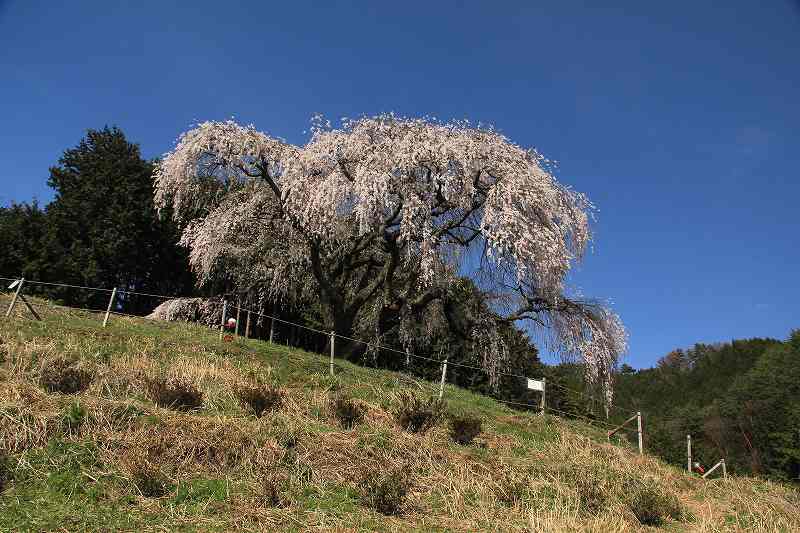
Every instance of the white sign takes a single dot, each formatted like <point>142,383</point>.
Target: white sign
<point>535,384</point>
<point>13,284</point>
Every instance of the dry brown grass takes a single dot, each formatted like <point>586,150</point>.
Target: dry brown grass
<point>569,483</point>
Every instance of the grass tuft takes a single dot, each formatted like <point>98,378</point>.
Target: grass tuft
<point>385,493</point>
<point>149,480</point>
<point>464,429</point>
<point>62,376</point>
<point>177,394</point>
<point>347,411</point>
<point>417,414</point>
<point>259,398</point>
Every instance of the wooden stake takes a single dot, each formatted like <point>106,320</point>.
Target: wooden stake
<point>16,295</point>
<point>271,329</point>
<point>639,431</point>
<point>543,404</point>
<point>247,329</point>
<point>238,314</point>
<point>441,383</point>
<point>222,322</point>
<point>689,453</point>
<point>110,303</point>
<point>30,307</point>
<point>333,351</point>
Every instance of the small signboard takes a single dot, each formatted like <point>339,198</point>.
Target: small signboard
<point>535,384</point>
<point>13,284</point>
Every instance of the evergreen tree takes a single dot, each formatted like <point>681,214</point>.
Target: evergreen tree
<point>103,229</point>
<point>22,228</point>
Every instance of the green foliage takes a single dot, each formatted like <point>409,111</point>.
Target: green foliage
<point>417,414</point>
<point>101,229</point>
<point>739,401</point>
<point>74,417</point>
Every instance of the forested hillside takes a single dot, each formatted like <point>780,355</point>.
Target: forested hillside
<point>738,400</point>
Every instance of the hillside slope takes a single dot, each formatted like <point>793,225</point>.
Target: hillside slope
<point>108,457</point>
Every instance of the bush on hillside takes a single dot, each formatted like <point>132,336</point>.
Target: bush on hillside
<point>652,506</point>
<point>384,493</point>
<point>348,412</point>
<point>178,394</point>
<point>62,376</point>
<point>259,398</point>
<point>416,414</point>
<point>464,429</point>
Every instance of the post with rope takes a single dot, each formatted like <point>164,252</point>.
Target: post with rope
<point>110,304</point>
<point>441,383</point>
<point>222,320</point>
<point>271,327</point>
<point>247,327</point>
<point>18,284</point>
<point>238,314</point>
<point>539,385</point>
<point>639,431</point>
<point>544,392</point>
<point>333,350</point>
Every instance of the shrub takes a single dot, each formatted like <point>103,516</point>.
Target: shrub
<point>464,429</point>
<point>416,414</point>
<point>348,412</point>
<point>59,375</point>
<point>651,505</point>
<point>259,399</point>
<point>149,480</point>
<point>384,492</point>
<point>177,394</point>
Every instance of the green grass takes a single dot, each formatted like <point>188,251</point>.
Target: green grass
<point>72,458</point>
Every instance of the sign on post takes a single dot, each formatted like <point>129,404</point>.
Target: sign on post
<point>535,384</point>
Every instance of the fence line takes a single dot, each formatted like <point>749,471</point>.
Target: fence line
<point>115,292</point>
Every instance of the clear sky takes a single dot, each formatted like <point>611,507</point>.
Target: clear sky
<point>680,120</point>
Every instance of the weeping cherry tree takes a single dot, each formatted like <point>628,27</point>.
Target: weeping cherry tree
<point>376,219</point>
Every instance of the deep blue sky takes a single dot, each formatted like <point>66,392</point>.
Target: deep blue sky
<point>680,120</point>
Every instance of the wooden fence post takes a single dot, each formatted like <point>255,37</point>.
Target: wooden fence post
<point>724,469</point>
<point>689,453</point>
<point>222,321</point>
<point>543,405</point>
<point>238,313</point>
<point>639,431</point>
<point>16,295</point>
<point>110,304</point>
<point>333,350</point>
<point>271,329</point>
<point>441,383</point>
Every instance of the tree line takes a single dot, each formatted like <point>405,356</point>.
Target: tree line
<point>739,401</point>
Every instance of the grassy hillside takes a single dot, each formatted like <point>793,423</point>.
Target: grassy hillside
<point>108,457</point>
